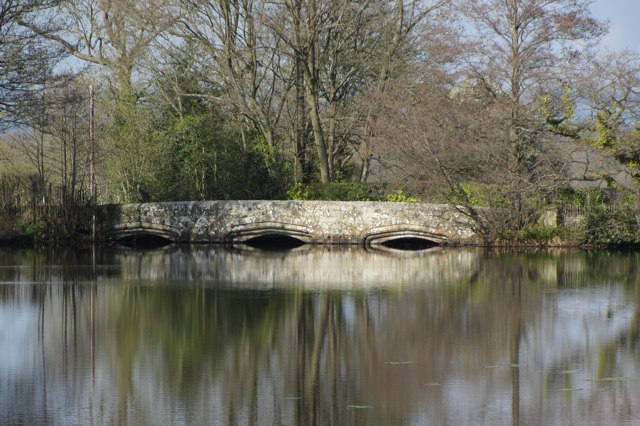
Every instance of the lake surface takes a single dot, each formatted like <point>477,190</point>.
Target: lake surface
<point>318,336</point>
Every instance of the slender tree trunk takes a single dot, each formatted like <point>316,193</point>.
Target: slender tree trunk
<point>311,77</point>
<point>301,123</point>
<point>300,142</point>
<point>318,136</point>
<point>92,159</point>
<point>398,34</point>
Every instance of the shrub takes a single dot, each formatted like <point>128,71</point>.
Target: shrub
<point>479,195</point>
<point>336,191</point>
<point>400,197</point>
<point>612,224</point>
<point>33,229</point>
<point>299,191</point>
<point>537,234</point>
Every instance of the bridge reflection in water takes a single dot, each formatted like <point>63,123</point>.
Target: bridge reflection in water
<point>320,335</point>
<point>307,266</point>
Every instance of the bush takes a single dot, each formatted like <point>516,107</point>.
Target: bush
<point>538,234</point>
<point>400,197</point>
<point>569,197</point>
<point>299,191</point>
<point>610,215</point>
<point>479,195</point>
<point>532,234</point>
<point>336,191</point>
<point>351,191</point>
<point>613,225</point>
<point>347,191</point>
<point>33,229</point>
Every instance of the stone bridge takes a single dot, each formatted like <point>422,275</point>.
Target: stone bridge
<point>314,222</point>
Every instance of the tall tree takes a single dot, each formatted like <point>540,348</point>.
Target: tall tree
<point>340,50</point>
<point>524,45</point>
<point>307,61</point>
<point>25,59</point>
<point>403,29</point>
<point>242,55</point>
<point>114,34</point>
<point>612,90</point>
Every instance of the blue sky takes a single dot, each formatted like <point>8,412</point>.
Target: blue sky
<point>624,22</point>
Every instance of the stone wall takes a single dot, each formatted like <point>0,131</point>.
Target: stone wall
<point>321,222</point>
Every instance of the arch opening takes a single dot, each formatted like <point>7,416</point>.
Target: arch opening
<point>274,242</point>
<point>409,244</point>
<point>144,241</point>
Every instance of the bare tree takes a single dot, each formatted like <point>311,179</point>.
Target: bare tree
<point>340,49</point>
<point>403,30</point>
<point>612,90</point>
<point>25,59</point>
<point>523,45</point>
<point>453,146</point>
<point>114,34</point>
<point>239,51</point>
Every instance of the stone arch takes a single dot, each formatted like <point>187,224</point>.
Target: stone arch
<point>125,230</point>
<point>245,232</point>
<point>383,235</point>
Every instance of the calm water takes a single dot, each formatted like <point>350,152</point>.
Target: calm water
<point>207,336</point>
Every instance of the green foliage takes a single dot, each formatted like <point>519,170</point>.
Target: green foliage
<point>476,195</point>
<point>346,191</point>
<point>479,195</point>
<point>337,191</point>
<point>203,152</point>
<point>529,235</point>
<point>203,160</point>
<point>131,154</point>
<point>627,150</point>
<point>567,196</point>
<point>608,123</point>
<point>400,197</point>
<point>612,225</point>
<point>558,117</point>
<point>351,191</point>
<point>613,222</point>
<point>537,234</point>
<point>33,229</point>
<point>605,129</point>
<point>12,229</point>
<point>299,191</point>
<point>188,159</point>
<point>610,216</point>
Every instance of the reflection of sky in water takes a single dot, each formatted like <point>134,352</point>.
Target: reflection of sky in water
<point>18,345</point>
<point>453,332</point>
<point>559,351</point>
<point>476,400</point>
<point>572,321</point>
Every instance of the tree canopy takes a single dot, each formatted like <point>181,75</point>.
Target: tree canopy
<point>449,100</point>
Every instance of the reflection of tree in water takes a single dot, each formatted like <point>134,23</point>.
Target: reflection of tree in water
<point>197,338</point>
<point>56,265</point>
<point>336,357</point>
<point>330,356</point>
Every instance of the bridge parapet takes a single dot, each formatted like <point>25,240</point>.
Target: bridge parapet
<point>318,222</point>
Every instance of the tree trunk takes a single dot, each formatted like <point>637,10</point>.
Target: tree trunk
<point>318,136</point>
<point>301,124</point>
